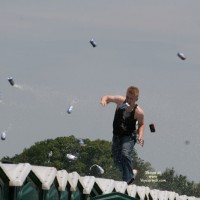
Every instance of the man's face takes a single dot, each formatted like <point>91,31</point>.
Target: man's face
<point>130,98</point>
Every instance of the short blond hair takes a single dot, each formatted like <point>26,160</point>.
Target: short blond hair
<point>133,91</point>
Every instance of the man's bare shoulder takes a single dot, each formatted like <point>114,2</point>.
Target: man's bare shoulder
<point>139,115</point>
<point>139,111</point>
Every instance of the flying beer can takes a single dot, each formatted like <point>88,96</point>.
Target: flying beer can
<point>70,109</point>
<point>181,56</point>
<point>11,81</point>
<point>152,128</point>
<point>93,43</point>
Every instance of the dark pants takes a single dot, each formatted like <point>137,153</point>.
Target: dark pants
<point>122,148</point>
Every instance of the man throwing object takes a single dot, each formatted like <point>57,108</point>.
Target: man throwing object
<point>127,114</point>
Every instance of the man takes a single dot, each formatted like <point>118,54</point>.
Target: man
<point>127,114</point>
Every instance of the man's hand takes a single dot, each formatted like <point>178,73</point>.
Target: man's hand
<point>141,141</point>
<point>103,101</point>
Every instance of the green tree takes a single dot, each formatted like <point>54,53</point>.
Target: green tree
<point>53,152</point>
<point>178,183</point>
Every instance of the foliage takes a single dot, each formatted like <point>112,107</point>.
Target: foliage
<point>178,183</point>
<point>94,152</point>
<point>52,152</point>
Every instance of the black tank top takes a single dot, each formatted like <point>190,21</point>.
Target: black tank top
<point>124,123</point>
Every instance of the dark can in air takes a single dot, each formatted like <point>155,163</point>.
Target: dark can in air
<point>93,43</point>
<point>152,128</point>
<point>11,81</point>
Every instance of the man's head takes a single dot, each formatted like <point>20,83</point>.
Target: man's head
<point>132,94</point>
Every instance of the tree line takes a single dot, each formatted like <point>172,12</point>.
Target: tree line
<point>67,153</point>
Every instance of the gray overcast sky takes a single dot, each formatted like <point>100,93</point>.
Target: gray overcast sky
<point>44,46</point>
